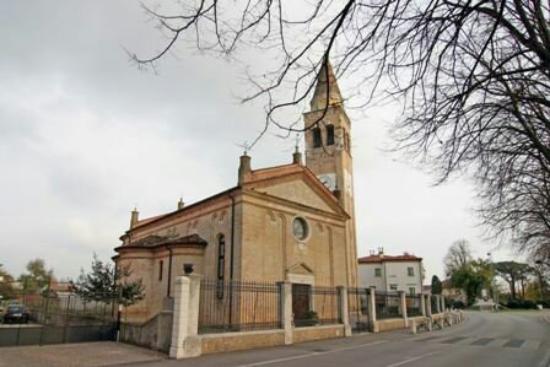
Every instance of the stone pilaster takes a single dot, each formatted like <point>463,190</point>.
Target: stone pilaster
<point>344,312</point>
<point>438,303</point>
<point>403,307</point>
<point>423,304</point>
<point>286,310</point>
<point>371,299</point>
<point>428,305</point>
<point>185,342</point>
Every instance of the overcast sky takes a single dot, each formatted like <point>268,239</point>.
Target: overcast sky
<point>85,136</point>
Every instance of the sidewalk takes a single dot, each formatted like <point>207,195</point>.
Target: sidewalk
<point>93,354</point>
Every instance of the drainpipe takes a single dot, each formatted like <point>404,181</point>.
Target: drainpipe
<point>232,236</point>
<point>231,260</point>
<point>168,291</point>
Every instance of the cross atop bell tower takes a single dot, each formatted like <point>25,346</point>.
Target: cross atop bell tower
<point>328,151</point>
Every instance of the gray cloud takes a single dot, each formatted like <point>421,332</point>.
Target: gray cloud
<point>84,136</point>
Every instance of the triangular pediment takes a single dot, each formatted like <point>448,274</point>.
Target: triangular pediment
<point>299,186</point>
<point>300,269</point>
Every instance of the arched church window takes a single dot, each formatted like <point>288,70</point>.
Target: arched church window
<point>221,266</point>
<point>161,266</point>
<point>330,134</point>
<point>316,137</point>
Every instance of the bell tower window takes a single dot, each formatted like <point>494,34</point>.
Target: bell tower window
<point>330,134</point>
<point>316,137</point>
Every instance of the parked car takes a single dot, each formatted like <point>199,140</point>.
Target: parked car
<point>16,314</point>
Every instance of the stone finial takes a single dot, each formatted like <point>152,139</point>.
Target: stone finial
<point>297,156</point>
<point>181,204</point>
<point>134,218</point>
<point>244,167</point>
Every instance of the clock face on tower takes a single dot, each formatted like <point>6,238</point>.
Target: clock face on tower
<point>329,180</point>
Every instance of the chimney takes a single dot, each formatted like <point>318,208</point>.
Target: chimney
<point>297,157</point>
<point>380,250</point>
<point>181,204</point>
<point>244,168</point>
<point>134,218</point>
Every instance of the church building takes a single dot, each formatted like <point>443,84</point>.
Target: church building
<point>294,222</point>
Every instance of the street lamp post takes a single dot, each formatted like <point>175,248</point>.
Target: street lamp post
<point>541,280</point>
<point>493,288</point>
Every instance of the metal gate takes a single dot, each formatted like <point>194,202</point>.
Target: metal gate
<point>358,309</point>
<point>65,319</point>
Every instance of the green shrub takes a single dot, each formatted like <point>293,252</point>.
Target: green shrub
<point>458,305</point>
<point>516,304</point>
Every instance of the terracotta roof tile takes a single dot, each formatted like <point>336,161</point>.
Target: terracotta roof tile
<point>147,220</point>
<point>381,258</point>
<point>154,241</point>
<point>254,176</point>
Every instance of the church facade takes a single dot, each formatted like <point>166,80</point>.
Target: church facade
<point>293,222</point>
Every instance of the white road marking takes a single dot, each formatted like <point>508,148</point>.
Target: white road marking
<point>531,344</point>
<point>412,359</point>
<point>313,354</point>
<point>545,361</point>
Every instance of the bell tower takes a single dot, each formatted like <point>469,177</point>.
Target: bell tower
<point>328,153</point>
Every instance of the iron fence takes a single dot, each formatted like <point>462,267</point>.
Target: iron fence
<point>414,305</point>
<point>387,305</point>
<point>315,305</point>
<point>358,308</point>
<point>433,304</point>
<point>227,306</point>
<point>326,303</point>
<point>59,318</point>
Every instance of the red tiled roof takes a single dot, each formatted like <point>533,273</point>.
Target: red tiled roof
<point>254,176</point>
<point>154,241</point>
<point>147,220</point>
<point>61,287</point>
<point>381,258</point>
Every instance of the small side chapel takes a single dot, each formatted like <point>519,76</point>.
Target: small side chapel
<point>294,222</point>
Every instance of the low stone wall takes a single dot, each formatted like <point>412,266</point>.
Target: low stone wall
<point>155,334</point>
<point>391,324</point>
<point>396,324</point>
<point>305,334</point>
<point>226,342</point>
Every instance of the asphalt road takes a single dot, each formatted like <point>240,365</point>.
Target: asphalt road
<point>507,339</point>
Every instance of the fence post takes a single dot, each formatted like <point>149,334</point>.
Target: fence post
<point>428,303</point>
<point>286,310</point>
<point>438,303</point>
<point>344,314</point>
<point>371,300</point>
<point>403,307</point>
<point>423,304</point>
<point>185,342</point>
